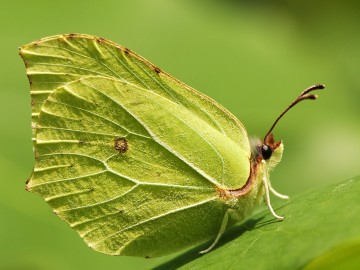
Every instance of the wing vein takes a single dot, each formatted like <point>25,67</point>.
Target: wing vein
<point>198,170</point>
<point>69,179</point>
<point>127,68</point>
<point>153,218</point>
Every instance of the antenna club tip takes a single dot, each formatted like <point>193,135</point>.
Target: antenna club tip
<point>303,96</point>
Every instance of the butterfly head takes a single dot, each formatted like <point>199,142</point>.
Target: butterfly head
<point>268,147</point>
<point>269,151</point>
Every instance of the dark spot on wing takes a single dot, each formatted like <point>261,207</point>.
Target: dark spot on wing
<point>157,70</point>
<point>71,35</point>
<point>100,40</point>
<point>136,103</point>
<point>28,76</point>
<point>127,51</point>
<point>121,145</point>
<point>82,142</point>
<point>27,188</point>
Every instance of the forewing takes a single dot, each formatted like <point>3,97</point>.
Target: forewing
<point>55,61</point>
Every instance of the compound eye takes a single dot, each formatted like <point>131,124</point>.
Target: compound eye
<point>266,151</point>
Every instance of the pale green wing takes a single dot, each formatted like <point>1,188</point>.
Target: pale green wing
<point>54,61</point>
<point>124,152</point>
<point>135,200</point>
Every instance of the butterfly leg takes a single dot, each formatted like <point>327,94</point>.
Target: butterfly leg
<point>221,231</point>
<point>267,198</point>
<point>277,194</point>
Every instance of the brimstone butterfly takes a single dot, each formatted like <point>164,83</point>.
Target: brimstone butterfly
<point>137,162</point>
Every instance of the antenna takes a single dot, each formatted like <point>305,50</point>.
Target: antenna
<point>303,96</point>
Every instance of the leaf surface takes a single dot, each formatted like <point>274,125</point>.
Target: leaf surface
<point>315,224</point>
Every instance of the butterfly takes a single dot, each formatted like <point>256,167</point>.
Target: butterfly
<point>137,162</point>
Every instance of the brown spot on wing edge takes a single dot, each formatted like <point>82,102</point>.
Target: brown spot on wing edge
<point>100,39</point>
<point>27,187</point>
<point>157,70</point>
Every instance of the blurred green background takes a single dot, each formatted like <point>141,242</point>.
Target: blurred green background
<point>253,57</point>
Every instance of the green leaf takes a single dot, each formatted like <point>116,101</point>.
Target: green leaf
<point>344,257</point>
<point>317,223</point>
